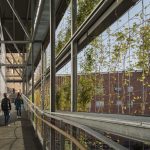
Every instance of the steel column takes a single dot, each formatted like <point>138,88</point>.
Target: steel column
<point>62,138</point>
<point>42,95</point>
<point>52,55</point>
<point>42,78</point>
<point>73,58</point>
<point>32,62</point>
<point>23,85</point>
<point>73,65</point>
<point>32,53</point>
<point>27,87</point>
<point>52,70</point>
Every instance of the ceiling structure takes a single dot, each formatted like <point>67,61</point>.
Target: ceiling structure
<point>12,29</point>
<point>17,22</point>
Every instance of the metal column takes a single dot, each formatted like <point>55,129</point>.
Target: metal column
<point>26,81</point>
<point>73,65</point>
<point>52,70</point>
<point>42,79</point>
<point>43,95</point>
<point>73,58</point>
<point>32,53</point>
<point>32,62</point>
<point>23,84</point>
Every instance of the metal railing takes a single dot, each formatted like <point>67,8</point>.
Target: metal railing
<point>42,123</point>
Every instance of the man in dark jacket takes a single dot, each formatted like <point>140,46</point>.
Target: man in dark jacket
<point>6,107</point>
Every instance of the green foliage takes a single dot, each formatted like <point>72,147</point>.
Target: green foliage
<point>63,96</point>
<point>124,42</point>
<point>85,7</point>
<point>63,38</point>
<point>88,84</point>
<point>133,40</point>
<point>85,91</point>
<point>65,34</point>
<point>143,46</point>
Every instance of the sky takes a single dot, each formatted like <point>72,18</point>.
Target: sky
<point>124,22</point>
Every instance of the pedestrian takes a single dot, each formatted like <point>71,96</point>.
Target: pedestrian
<point>6,107</point>
<point>18,102</point>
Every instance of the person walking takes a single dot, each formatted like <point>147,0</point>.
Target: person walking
<point>18,102</point>
<point>6,107</point>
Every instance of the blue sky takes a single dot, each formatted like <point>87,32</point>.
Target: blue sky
<point>120,25</point>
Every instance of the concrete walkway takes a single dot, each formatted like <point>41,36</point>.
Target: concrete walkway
<point>19,135</point>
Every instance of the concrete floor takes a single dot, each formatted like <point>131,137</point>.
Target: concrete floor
<point>19,136</point>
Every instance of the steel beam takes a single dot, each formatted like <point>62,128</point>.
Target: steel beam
<point>42,78</point>
<point>73,65</point>
<point>36,21</point>
<point>101,18</point>
<point>43,95</point>
<point>19,19</point>
<point>12,76</point>
<point>8,33</point>
<point>52,70</point>
<point>15,81</point>
<point>9,19</point>
<point>32,53</point>
<point>52,55</point>
<point>73,58</point>
<point>26,77</point>
<point>13,65</point>
<point>14,58</point>
<point>15,69</point>
<point>15,42</point>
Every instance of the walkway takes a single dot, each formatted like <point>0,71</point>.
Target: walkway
<point>19,136</point>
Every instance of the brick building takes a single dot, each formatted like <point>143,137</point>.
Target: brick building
<point>119,93</point>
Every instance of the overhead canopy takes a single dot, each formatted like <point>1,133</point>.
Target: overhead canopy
<point>11,24</point>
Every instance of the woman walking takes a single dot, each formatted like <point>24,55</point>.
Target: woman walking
<point>18,102</point>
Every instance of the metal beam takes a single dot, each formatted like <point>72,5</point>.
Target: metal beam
<point>15,69</point>
<point>11,19</point>
<point>36,21</point>
<point>15,42</point>
<point>13,58</point>
<point>52,55</point>
<point>32,61</point>
<point>19,19</point>
<point>14,81</point>
<point>12,76</point>
<point>73,66</point>
<point>8,33</point>
<point>101,18</point>
<point>52,69</point>
<point>73,58</point>
<point>13,65</point>
<point>43,95</point>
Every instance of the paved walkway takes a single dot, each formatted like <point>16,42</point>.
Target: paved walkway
<point>19,136</point>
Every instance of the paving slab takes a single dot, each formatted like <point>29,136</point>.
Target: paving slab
<point>19,135</point>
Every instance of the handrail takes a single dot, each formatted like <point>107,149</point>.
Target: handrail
<point>88,130</point>
<point>70,137</point>
<point>109,120</point>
